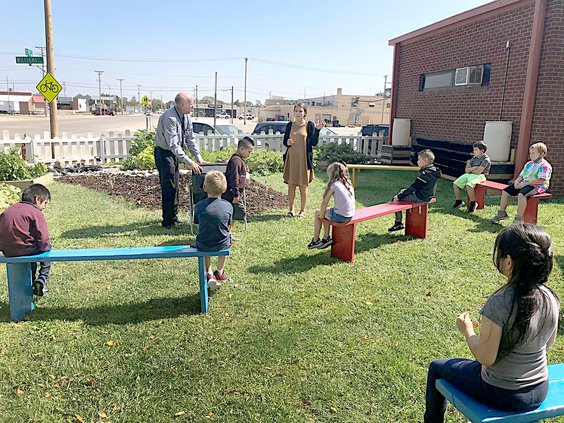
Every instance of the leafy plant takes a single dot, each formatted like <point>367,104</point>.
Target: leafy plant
<point>14,168</point>
<point>260,162</point>
<point>142,140</point>
<point>9,195</point>
<point>144,160</point>
<point>341,153</point>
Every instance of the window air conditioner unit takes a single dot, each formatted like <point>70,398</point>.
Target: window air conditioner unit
<point>461,76</point>
<point>475,75</point>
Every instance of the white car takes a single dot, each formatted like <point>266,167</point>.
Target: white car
<point>248,116</point>
<point>223,115</point>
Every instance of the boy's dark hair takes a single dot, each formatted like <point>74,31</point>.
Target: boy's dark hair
<point>481,145</point>
<point>427,154</point>
<point>246,142</point>
<point>36,190</point>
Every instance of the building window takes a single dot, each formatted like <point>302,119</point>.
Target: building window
<point>459,77</point>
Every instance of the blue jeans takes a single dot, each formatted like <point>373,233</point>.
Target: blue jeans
<point>466,376</point>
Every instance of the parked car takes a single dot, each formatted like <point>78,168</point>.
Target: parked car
<point>103,111</point>
<point>202,128</point>
<point>248,116</point>
<point>228,129</point>
<point>280,126</point>
<point>223,114</point>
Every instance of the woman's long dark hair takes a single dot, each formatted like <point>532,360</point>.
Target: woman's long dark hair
<point>530,248</point>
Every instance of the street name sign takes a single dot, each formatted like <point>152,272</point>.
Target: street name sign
<point>49,87</point>
<point>29,59</point>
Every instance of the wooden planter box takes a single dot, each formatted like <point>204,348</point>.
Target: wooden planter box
<point>24,183</point>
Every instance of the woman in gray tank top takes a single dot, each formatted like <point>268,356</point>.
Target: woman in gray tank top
<point>519,323</point>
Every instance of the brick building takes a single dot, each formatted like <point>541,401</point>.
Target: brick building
<point>500,61</point>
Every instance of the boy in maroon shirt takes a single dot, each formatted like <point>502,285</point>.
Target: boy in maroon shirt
<point>24,232</point>
<point>236,176</point>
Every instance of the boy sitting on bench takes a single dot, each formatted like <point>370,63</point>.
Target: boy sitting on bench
<point>477,168</point>
<point>533,179</point>
<point>24,232</point>
<point>422,190</point>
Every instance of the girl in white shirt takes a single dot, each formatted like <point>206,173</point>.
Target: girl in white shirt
<point>339,186</point>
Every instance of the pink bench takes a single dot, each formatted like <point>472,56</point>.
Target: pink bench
<point>344,234</point>
<point>531,212</point>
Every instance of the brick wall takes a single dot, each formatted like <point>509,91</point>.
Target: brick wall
<point>459,114</point>
<point>548,121</point>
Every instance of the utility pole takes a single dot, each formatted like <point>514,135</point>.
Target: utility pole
<point>139,97</point>
<point>196,101</point>
<point>215,103</point>
<point>245,100</point>
<point>120,95</point>
<point>51,69</point>
<point>42,53</point>
<point>151,98</point>
<point>231,103</point>
<point>99,89</point>
<point>384,99</point>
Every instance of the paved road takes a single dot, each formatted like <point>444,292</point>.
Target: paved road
<point>82,124</point>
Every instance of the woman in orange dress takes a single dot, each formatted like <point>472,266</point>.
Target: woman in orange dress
<point>300,138</point>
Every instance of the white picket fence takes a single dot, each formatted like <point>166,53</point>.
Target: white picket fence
<point>115,147</point>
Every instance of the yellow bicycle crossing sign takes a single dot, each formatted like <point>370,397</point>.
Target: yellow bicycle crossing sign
<point>49,87</point>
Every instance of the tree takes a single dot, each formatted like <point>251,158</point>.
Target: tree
<point>237,103</point>
<point>209,100</point>
<point>258,103</point>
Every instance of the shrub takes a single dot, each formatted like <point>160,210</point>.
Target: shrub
<point>341,153</point>
<point>9,195</point>
<point>260,162</point>
<point>142,140</point>
<point>145,160</point>
<point>14,168</point>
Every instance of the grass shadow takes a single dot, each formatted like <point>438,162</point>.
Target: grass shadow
<point>152,228</point>
<point>305,262</point>
<point>116,314</point>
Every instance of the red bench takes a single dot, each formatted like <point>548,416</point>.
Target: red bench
<point>531,211</point>
<point>344,234</point>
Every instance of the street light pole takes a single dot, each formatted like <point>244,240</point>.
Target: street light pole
<point>245,100</point>
<point>99,89</point>
<point>120,95</point>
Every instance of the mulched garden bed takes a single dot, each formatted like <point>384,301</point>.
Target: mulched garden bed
<point>145,191</point>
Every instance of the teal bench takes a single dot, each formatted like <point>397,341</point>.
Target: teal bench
<point>475,411</point>
<point>20,290</point>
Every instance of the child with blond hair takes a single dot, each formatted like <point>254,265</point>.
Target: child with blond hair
<point>338,186</point>
<point>215,218</point>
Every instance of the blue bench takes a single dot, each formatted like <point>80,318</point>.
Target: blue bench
<point>20,290</point>
<point>475,411</point>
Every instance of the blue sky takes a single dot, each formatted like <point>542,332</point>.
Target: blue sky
<point>293,47</point>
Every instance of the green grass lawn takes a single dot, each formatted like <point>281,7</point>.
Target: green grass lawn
<point>296,336</point>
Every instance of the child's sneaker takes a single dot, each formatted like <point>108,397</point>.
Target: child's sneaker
<point>457,204</point>
<point>325,242</point>
<point>213,284</point>
<point>314,244</point>
<point>398,226</point>
<point>39,286</point>
<point>501,215</point>
<point>221,277</point>
<point>473,207</point>
<point>518,220</point>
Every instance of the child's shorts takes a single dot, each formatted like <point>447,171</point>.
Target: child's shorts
<point>527,191</point>
<point>470,179</point>
<point>336,217</point>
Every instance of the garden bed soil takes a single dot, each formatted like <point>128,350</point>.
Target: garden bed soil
<point>146,191</point>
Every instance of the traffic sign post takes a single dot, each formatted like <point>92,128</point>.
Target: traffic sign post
<point>31,60</point>
<point>145,100</point>
<point>49,87</point>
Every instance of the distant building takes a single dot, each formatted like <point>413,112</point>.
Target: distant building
<point>503,61</point>
<point>344,109</point>
<point>70,103</point>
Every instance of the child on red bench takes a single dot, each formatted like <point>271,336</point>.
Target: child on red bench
<point>533,179</point>
<point>422,190</point>
<point>477,168</point>
<point>340,187</point>
<point>24,232</point>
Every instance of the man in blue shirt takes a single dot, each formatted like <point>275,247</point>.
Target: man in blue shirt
<point>174,133</point>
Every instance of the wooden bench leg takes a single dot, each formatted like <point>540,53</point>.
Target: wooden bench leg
<point>416,221</point>
<point>20,290</point>
<point>531,211</point>
<point>344,239</point>
<point>203,285</point>
<point>480,193</point>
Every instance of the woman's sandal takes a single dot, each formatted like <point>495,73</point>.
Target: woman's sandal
<point>302,214</point>
<point>289,214</point>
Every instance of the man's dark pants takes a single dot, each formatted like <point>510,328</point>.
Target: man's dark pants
<point>167,165</point>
